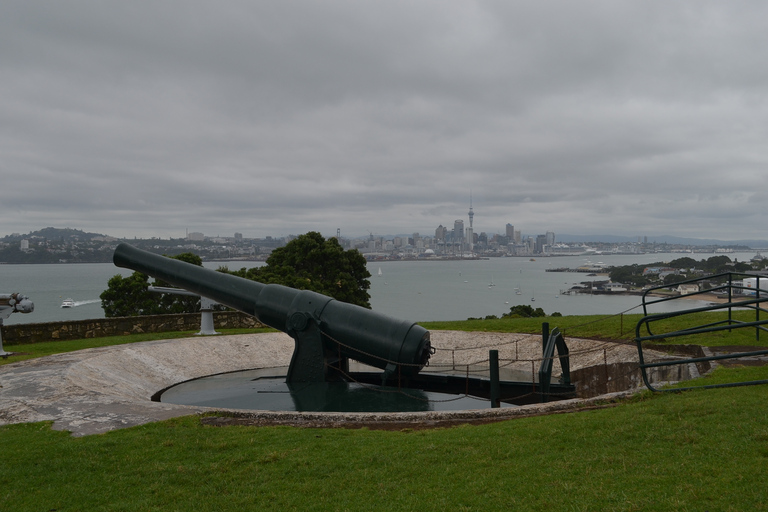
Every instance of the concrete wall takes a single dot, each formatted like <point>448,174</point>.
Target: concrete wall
<point>611,378</point>
<point>96,328</point>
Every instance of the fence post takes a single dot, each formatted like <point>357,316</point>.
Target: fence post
<point>493,356</point>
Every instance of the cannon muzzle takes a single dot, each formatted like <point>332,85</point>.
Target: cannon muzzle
<point>326,331</point>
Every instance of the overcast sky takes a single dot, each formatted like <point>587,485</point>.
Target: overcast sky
<point>153,118</point>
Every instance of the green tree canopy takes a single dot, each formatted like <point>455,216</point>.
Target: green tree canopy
<point>685,262</point>
<point>130,296</point>
<point>310,262</point>
<point>524,311</point>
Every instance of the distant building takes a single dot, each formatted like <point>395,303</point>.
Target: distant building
<point>685,289</point>
<point>195,236</point>
<point>458,231</point>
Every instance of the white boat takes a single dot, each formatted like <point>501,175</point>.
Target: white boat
<point>380,273</point>
<point>68,303</point>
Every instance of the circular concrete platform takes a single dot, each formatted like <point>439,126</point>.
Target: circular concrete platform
<point>96,390</point>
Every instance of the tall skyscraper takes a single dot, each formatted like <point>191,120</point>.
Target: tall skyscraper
<point>458,234</point>
<point>471,231</point>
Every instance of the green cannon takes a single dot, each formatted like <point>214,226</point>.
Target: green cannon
<point>327,332</point>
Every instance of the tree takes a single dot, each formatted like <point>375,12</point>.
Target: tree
<point>524,311</point>
<point>685,262</point>
<point>671,279</point>
<point>130,296</point>
<point>310,262</point>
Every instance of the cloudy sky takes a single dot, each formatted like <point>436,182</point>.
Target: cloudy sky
<point>151,118</point>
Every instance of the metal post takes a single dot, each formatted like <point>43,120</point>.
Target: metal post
<point>493,356</point>
<point>757,310</point>
<point>3,353</point>
<point>544,336</point>
<point>730,298</point>
<point>206,317</point>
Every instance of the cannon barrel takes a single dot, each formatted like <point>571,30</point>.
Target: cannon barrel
<point>351,331</point>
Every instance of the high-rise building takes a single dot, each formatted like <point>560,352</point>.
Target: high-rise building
<point>458,231</point>
<point>510,232</point>
<point>471,231</point>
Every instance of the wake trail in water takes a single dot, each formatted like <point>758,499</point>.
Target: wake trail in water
<point>84,302</point>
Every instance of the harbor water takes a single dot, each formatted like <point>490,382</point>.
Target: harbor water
<point>410,290</point>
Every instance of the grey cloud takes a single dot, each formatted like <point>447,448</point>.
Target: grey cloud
<point>145,118</point>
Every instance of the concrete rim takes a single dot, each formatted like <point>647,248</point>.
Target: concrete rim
<point>97,390</point>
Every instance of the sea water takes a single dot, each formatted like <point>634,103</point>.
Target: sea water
<point>409,290</point>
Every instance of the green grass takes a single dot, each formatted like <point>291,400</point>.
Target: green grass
<point>695,450</point>
<point>621,327</point>
<point>702,450</point>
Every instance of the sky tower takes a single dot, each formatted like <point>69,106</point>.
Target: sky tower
<point>471,213</point>
<point>470,231</point>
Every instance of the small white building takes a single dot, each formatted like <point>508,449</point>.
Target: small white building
<point>685,289</point>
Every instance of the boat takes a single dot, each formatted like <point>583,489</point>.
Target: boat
<point>68,303</point>
<point>380,274</point>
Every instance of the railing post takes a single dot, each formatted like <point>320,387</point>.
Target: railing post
<point>757,309</point>
<point>730,298</point>
<point>3,353</point>
<point>544,336</point>
<point>493,356</point>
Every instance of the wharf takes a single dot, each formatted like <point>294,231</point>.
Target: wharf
<point>584,270</point>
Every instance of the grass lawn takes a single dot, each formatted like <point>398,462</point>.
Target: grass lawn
<point>697,450</point>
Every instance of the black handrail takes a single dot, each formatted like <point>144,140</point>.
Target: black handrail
<point>555,340</point>
<point>731,286</point>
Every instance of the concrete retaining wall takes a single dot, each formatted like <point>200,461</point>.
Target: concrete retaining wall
<point>53,331</point>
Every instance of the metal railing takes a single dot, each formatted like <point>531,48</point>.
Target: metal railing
<point>553,340</point>
<point>728,287</point>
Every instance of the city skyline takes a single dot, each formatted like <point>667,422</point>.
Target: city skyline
<point>146,119</point>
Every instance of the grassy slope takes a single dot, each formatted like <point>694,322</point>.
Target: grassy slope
<point>695,451</point>
<point>701,450</point>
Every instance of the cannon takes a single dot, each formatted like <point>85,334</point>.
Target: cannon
<point>327,332</point>
<point>12,303</point>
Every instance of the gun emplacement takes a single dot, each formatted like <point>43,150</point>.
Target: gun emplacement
<point>326,331</point>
